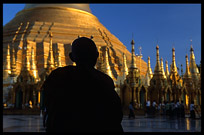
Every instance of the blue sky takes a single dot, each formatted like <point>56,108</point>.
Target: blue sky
<point>166,24</point>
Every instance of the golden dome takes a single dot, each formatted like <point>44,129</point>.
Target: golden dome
<point>66,22</point>
<point>84,7</point>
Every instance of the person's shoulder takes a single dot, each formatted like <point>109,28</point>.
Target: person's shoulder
<point>64,69</point>
<point>103,76</point>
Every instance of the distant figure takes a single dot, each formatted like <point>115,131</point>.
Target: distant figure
<point>177,109</point>
<point>172,109</point>
<point>192,111</point>
<point>80,98</point>
<point>148,106</point>
<point>45,116</point>
<point>131,110</point>
<point>154,105</point>
<point>163,108</point>
<point>167,108</point>
<point>182,110</point>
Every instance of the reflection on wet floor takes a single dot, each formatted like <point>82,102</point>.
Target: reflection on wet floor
<point>33,123</point>
<point>161,124</point>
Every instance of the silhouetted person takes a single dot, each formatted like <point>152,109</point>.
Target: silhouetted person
<point>171,109</point>
<point>131,111</point>
<point>167,108</point>
<point>45,115</point>
<point>192,110</point>
<point>154,105</point>
<point>177,109</point>
<point>80,98</point>
<point>148,103</point>
<point>182,110</point>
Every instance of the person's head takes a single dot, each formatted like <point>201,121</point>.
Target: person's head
<point>84,52</point>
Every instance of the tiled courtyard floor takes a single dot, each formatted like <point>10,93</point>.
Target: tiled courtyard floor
<point>33,123</point>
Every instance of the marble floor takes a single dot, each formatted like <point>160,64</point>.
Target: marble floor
<point>33,123</point>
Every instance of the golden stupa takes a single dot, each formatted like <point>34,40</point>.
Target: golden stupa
<point>33,26</point>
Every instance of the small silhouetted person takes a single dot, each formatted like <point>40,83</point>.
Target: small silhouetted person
<point>80,98</point>
<point>131,110</point>
<point>154,105</point>
<point>148,106</point>
<point>172,109</point>
<point>45,115</point>
<point>177,109</point>
<point>182,110</point>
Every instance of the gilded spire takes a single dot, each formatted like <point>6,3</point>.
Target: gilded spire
<point>33,65</point>
<point>50,60</point>
<point>27,57</point>
<point>133,60</point>
<point>173,66</point>
<point>157,67</point>
<point>162,68</point>
<point>13,63</point>
<point>167,69</point>
<point>125,68</point>
<point>149,69</point>
<point>7,66</point>
<point>187,73</point>
<point>192,65</point>
<point>107,68</point>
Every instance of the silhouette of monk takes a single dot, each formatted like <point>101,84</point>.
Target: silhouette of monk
<point>80,98</point>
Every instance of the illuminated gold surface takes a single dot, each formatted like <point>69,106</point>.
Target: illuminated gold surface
<point>192,66</point>
<point>167,69</point>
<point>106,68</point>
<point>7,66</point>
<point>173,64</point>
<point>162,68</point>
<point>149,69</point>
<point>187,73</point>
<point>125,67</point>
<point>39,97</point>
<point>84,7</point>
<point>65,24</point>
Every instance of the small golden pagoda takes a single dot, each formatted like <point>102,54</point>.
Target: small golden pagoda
<point>132,89</point>
<point>174,80</point>
<point>192,81</point>
<point>158,84</point>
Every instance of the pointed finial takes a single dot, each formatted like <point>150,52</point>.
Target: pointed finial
<point>50,34</point>
<point>132,42</point>
<point>191,48</point>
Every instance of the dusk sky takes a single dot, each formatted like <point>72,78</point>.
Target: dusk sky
<point>166,24</point>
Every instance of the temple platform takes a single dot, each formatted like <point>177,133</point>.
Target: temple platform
<point>33,123</point>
